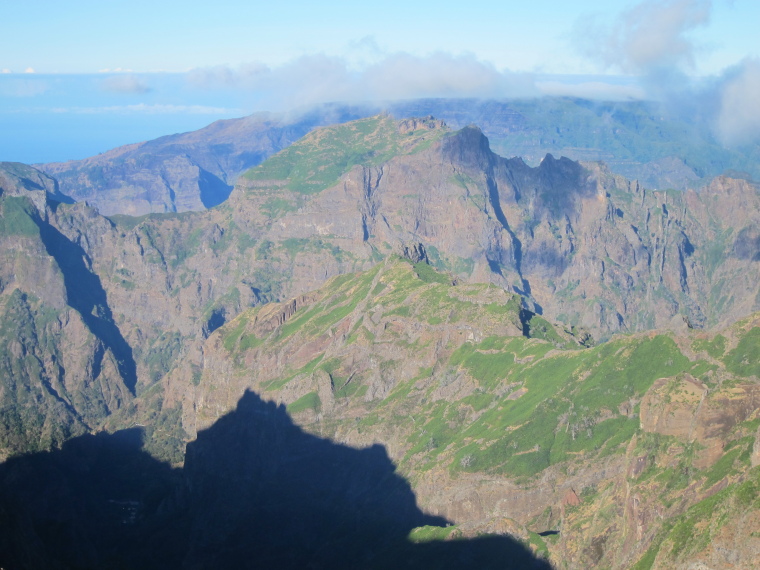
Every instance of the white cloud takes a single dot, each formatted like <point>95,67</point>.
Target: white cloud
<point>6,70</point>
<point>738,119</point>
<point>130,84</point>
<point>29,70</point>
<point>652,39</point>
<point>651,35</point>
<point>592,90</point>
<point>319,78</point>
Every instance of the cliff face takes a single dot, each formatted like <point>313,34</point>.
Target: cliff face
<point>582,246</point>
<point>64,365</point>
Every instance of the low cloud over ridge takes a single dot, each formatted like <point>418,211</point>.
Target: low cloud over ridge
<point>652,39</point>
<point>738,120</point>
<point>320,78</point>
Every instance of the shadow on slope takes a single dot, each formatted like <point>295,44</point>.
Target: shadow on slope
<point>85,293</point>
<point>256,491</point>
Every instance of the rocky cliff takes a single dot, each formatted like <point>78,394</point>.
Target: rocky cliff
<point>64,365</point>
<point>580,245</point>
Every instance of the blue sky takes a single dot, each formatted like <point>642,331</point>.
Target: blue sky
<point>86,36</point>
<point>80,77</point>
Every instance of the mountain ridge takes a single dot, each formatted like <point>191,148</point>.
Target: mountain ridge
<point>637,139</point>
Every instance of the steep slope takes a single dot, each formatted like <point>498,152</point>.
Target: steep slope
<point>590,248</point>
<point>194,171</point>
<point>491,412</point>
<point>501,422</point>
<point>63,364</point>
<point>579,245</point>
<point>582,246</point>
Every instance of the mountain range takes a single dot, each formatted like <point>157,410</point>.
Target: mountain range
<point>197,170</point>
<point>548,353</point>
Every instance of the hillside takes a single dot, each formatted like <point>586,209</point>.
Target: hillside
<point>497,423</point>
<point>579,245</point>
<point>396,284</point>
<point>610,452</point>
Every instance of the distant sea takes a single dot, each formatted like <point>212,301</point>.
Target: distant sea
<point>50,118</point>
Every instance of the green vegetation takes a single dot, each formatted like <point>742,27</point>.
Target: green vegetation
<point>308,401</point>
<point>317,161</point>
<point>430,533</point>
<point>32,418</point>
<point>18,217</point>
<point>744,360</point>
<point>275,207</point>
<point>537,541</point>
<point>715,347</point>
<point>429,275</point>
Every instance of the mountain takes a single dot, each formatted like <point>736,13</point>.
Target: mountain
<point>63,362</point>
<point>196,170</point>
<point>580,246</point>
<point>391,282</point>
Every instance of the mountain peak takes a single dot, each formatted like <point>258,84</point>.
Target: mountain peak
<point>318,160</point>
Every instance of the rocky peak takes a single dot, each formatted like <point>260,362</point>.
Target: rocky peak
<point>406,126</point>
<point>18,179</point>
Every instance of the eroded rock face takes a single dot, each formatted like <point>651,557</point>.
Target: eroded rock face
<point>582,246</point>
<point>390,375</point>
<point>685,408</point>
<point>64,367</point>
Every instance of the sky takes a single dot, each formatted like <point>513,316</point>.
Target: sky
<point>80,77</point>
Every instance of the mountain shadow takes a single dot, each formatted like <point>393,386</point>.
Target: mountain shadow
<point>85,293</point>
<point>256,491</point>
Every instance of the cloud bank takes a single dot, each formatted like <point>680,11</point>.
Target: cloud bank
<point>738,120</point>
<point>317,79</point>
